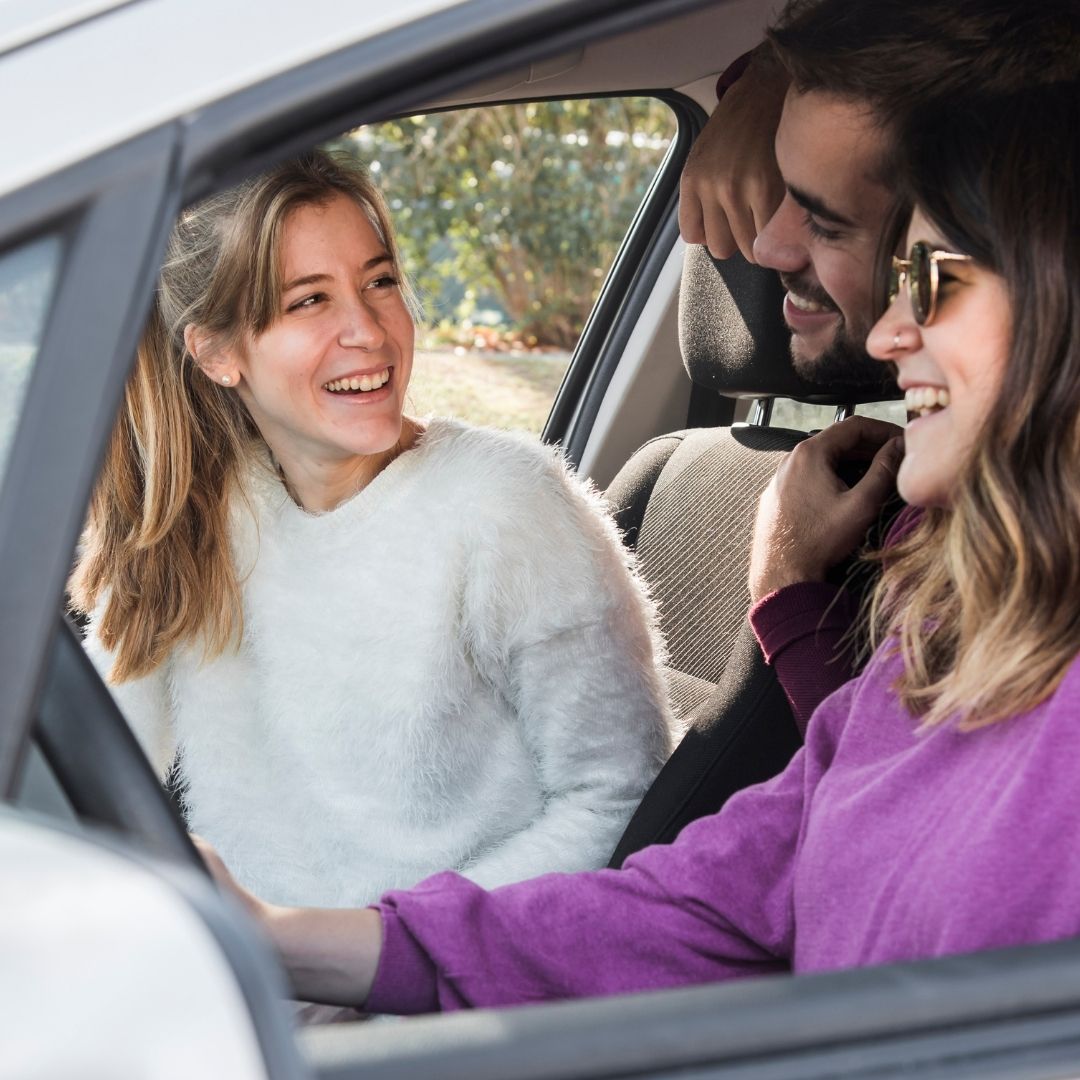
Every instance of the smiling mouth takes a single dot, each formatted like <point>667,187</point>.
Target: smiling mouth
<point>924,400</point>
<point>808,306</point>
<point>358,384</point>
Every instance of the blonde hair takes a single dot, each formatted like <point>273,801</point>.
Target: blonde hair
<point>983,599</point>
<point>156,546</point>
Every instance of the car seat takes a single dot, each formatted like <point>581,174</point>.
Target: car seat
<point>686,502</point>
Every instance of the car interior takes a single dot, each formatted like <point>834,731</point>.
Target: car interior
<point>667,407</point>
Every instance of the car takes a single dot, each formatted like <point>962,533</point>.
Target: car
<point>118,956</point>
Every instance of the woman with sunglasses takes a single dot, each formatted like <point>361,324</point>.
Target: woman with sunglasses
<point>933,809</point>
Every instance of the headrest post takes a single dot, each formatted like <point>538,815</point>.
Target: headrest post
<point>761,413</point>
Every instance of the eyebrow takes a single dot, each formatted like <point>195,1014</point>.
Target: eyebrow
<point>314,279</point>
<point>818,208</point>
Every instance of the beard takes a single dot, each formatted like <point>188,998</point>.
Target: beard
<point>844,362</point>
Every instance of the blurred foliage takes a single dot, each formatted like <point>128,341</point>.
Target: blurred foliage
<point>524,205</point>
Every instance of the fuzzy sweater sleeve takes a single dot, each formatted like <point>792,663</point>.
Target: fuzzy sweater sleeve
<point>144,702</point>
<point>562,625</point>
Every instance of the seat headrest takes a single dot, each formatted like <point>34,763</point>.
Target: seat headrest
<point>734,340</point>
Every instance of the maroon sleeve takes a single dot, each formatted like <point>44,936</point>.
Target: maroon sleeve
<point>804,632</point>
<point>732,73</point>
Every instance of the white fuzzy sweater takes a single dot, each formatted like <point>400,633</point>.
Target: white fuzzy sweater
<point>455,668</point>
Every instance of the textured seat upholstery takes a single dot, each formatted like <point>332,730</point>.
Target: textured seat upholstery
<point>686,501</point>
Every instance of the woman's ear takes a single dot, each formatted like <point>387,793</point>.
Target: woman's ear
<point>216,364</point>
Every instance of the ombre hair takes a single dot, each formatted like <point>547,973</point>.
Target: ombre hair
<point>983,597</point>
<point>155,555</point>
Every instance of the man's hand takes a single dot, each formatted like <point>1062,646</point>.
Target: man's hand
<point>731,185</point>
<point>808,519</point>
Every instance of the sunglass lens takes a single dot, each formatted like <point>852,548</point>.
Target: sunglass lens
<point>921,284</point>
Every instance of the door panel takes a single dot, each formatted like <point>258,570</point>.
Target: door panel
<point>113,215</point>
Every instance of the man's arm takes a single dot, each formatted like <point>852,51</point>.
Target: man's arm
<point>731,184</point>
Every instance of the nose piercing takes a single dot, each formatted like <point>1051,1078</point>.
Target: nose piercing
<point>896,340</point>
<point>226,379</point>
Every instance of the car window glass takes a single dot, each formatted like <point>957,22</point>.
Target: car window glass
<point>509,218</point>
<point>803,417</point>
<point>27,277</point>
<point>893,411</point>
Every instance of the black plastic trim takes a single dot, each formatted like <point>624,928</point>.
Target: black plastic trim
<point>96,758</point>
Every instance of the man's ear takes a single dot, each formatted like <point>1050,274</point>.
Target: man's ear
<point>215,363</point>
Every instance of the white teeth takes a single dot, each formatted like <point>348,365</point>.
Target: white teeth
<point>358,382</point>
<point>925,399</point>
<point>803,304</point>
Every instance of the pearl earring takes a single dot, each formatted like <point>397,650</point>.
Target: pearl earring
<point>226,379</point>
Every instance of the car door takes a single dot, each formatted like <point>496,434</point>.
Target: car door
<point>1009,1014</point>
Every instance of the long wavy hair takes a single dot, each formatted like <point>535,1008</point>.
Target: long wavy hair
<point>155,552</point>
<point>983,598</point>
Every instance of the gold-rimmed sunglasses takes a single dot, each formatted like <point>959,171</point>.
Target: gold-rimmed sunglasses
<point>920,272</point>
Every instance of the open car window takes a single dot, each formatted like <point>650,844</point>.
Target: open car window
<point>509,218</point>
<point>28,274</point>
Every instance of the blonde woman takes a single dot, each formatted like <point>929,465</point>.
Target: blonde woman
<point>373,647</point>
<point>934,808</point>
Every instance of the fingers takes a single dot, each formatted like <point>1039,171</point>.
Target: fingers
<point>691,221</point>
<point>880,479</point>
<point>718,232</point>
<point>741,229</point>
<point>767,197</point>
<point>855,436</point>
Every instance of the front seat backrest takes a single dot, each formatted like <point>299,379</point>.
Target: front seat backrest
<point>687,502</point>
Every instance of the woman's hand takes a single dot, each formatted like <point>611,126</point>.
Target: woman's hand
<point>808,519</point>
<point>331,954</point>
<point>225,881</point>
<point>731,184</point>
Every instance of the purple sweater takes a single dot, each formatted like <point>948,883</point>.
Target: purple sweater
<point>874,845</point>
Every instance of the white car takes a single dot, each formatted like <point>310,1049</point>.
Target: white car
<point>117,956</point>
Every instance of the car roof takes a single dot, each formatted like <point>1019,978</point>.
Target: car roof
<point>94,74</point>
<point>100,72</point>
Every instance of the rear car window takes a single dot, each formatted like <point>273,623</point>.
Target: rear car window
<point>27,280</point>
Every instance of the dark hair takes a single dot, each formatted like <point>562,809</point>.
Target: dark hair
<point>995,577</point>
<point>895,54</point>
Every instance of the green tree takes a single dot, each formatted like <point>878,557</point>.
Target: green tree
<point>527,203</point>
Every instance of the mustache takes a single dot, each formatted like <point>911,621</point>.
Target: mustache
<point>811,290</point>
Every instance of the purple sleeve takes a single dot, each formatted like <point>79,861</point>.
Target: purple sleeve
<point>716,904</point>
<point>804,632</point>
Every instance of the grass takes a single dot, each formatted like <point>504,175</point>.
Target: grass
<point>505,390</point>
